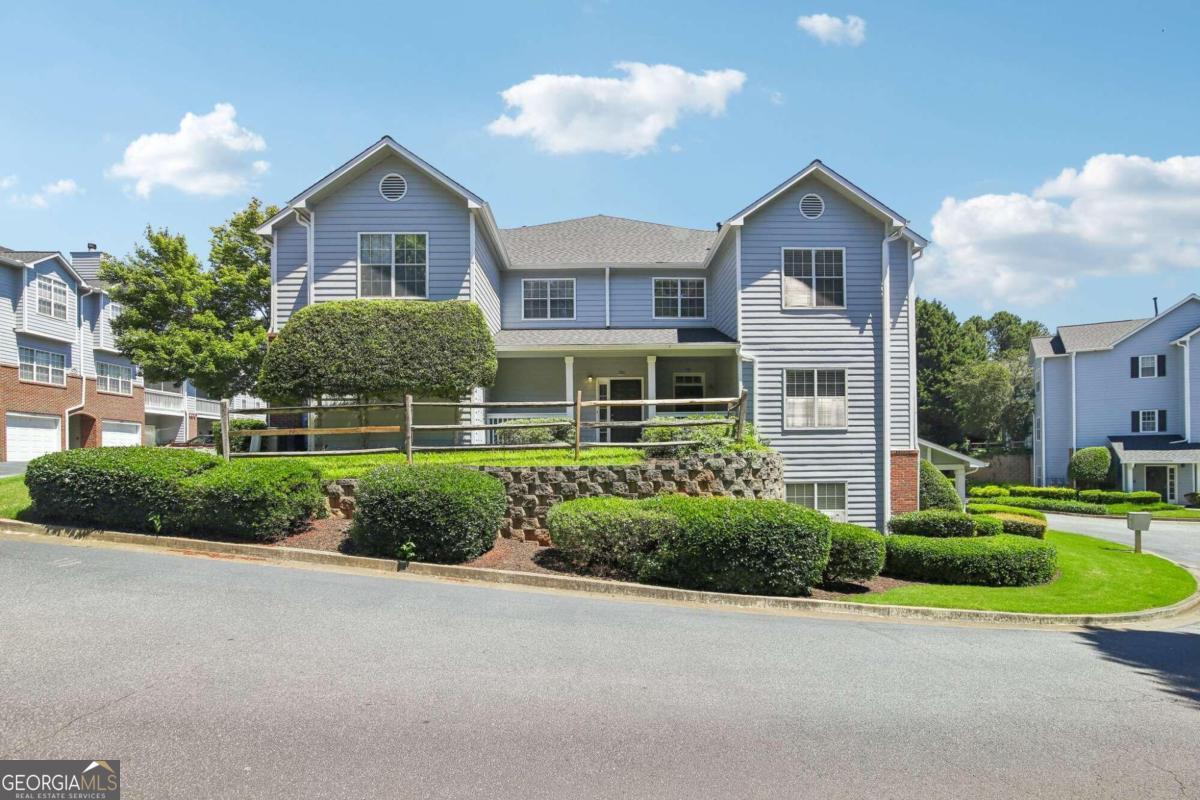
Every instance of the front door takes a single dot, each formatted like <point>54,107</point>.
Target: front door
<point>620,389</point>
<point>1161,480</point>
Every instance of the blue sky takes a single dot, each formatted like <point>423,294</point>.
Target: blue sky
<point>979,102</point>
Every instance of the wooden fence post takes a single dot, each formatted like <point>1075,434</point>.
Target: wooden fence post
<point>225,429</point>
<point>578,421</point>
<point>740,427</point>
<point>408,431</point>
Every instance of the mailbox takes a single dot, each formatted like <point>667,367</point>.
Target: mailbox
<point>1137,521</point>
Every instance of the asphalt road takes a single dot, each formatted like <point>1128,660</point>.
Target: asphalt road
<point>12,467</point>
<point>1178,541</point>
<point>218,678</point>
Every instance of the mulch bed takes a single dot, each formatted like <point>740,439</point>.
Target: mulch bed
<point>331,534</point>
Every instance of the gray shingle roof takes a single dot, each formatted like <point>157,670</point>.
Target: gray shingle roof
<point>25,256</point>
<point>1076,338</point>
<point>1046,346</point>
<point>1169,448</point>
<point>605,240</point>
<point>571,337</point>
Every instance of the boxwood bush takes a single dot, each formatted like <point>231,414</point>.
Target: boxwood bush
<point>1002,560</point>
<point>1046,492</point>
<point>933,523</point>
<point>608,536</point>
<point>558,430</point>
<point>987,526</point>
<point>855,553</point>
<point>991,508</point>
<point>987,491</point>
<point>1089,465</point>
<point>261,500</point>
<point>708,438</point>
<point>443,514</point>
<point>127,488</point>
<point>1019,525</point>
<point>1105,497</point>
<point>237,444</point>
<point>936,490</point>
<point>1047,504</point>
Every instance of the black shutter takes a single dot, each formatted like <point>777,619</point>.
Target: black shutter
<point>1133,422</point>
<point>1133,366</point>
<point>1162,420</point>
<point>1162,366</point>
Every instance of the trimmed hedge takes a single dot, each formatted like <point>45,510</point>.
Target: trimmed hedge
<point>237,444</point>
<point>379,348</point>
<point>443,514</point>
<point>1002,560</point>
<point>987,491</point>
<point>1105,497</point>
<point>1090,465</point>
<point>1045,504</point>
<point>1046,492</point>
<point>991,508</point>
<point>709,438</point>
<point>1019,525</point>
<point>987,526</point>
<point>855,553</point>
<point>936,490</point>
<point>608,536</point>
<point>934,523</point>
<point>561,431</point>
<point>261,500</point>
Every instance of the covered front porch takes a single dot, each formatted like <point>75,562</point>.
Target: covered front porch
<point>1164,464</point>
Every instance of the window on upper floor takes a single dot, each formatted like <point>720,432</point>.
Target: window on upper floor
<point>51,297</point>
<point>1148,366</point>
<point>548,298</point>
<point>828,498</point>
<point>679,298</point>
<point>814,277</point>
<point>393,265</point>
<point>114,378</point>
<point>42,366</point>
<point>814,398</point>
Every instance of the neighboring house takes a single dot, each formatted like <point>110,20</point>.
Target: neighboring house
<point>1127,385</point>
<point>804,298</point>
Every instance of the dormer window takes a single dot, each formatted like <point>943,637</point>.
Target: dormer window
<point>51,297</point>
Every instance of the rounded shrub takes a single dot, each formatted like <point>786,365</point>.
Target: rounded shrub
<point>1019,525</point>
<point>936,490</point>
<point>706,438</point>
<point>987,526</point>
<point>128,488</point>
<point>1089,465</point>
<point>1044,492</point>
<point>855,553</point>
<point>442,514</point>
<point>237,444</point>
<point>1048,504</point>
<point>1105,497</point>
<point>987,491</point>
<point>726,544</point>
<point>1002,560</point>
<point>557,430</point>
<point>933,523</point>
<point>608,536</point>
<point>990,508</point>
<point>260,500</point>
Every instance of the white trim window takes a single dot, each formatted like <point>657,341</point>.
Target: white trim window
<point>393,265</point>
<point>680,298</point>
<point>827,497</point>
<point>1151,421</point>
<point>814,399</point>
<point>814,277</point>
<point>1147,367</point>
<point>548,298</point>
<point>51,297</point>
<point>114,378</point>
<point>42,366</point>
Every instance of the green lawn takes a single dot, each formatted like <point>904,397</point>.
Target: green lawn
<point>1157,510</point>
<point>1096,577</point>
<point>334,466</point>
<point>14,497</point>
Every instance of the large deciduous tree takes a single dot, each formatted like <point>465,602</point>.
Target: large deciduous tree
<point>983,392</point>
<point>943,348</point>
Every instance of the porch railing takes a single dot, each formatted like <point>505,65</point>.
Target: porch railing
<point>733,416</point>
<point>163,401</point>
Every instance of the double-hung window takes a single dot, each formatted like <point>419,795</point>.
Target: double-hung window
<point>1150,421</point>
<point>393,264</point>
<point>1148,366</point>
<point>51,297</point>
<point>814,398</point>
<point>679,298</point>
<point>828,498</point>
<point>548,298</point>
<point>114,378</point>
<point>814,277</point>
<point>42,366</point>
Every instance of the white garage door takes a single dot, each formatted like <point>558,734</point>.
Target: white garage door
<point>31,435</point>
<point>120,434</point>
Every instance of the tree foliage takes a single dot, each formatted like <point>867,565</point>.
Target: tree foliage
<point>943,348</point>
<point>983,391</point>
<point>936,490</point>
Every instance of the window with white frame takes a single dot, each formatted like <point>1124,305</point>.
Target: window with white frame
<point>814,277</point>
<point>51,297</point>
<point>686,385</point>
<point>548,298</point>
<point>114,378</point>
<point>393,264</point>
<point>828,498</point>
<point>42,366</point>
<point>814,398</point>
<point>1147,366</point>
<point>1151,421</point>
<point>679,298</point>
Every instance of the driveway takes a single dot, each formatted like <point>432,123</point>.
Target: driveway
<point>253,681</point>
<point>1178,541</point>
<point>12,467</point>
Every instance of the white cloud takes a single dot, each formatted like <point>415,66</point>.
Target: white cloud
<point>627,115</point>
<point>833,30</point>
<point>8,181</point>
<point>64,187</point>
<point>209,154</point>
<point>1117,215</point>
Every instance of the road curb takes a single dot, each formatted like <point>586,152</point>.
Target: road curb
<point>607,588</point>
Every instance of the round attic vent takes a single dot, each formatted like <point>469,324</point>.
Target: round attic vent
<point>812,206</point>
<point>393,187</point>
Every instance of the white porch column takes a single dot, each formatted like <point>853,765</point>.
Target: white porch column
<point>569,383</point>
<point>1127,473</point>
<point>651,385</point>
<point>960,480</point>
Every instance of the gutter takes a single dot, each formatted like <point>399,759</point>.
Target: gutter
<point>885,369</point>
<point>80,293</point>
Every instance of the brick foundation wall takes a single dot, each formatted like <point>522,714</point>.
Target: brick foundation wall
<point>532,490</point>
<point>906,477</point>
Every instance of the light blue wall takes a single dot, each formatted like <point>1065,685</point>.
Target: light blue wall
<point>722,287</point>
<point>631,298</point>
<point>1057,425</point>
<point>291,277</point>
<point>900,362</point>
<point>10,291</point>
<point>487,288</point>
<point>51,327</point>
<point>589,298</point>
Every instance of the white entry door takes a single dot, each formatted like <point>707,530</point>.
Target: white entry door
<point>31,435</point>
<point>120,434</point>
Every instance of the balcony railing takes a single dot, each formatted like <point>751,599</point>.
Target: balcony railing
<point>166,401</point>
<point>211,408</point>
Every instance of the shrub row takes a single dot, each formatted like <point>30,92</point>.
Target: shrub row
<point>1047,504</point>
<point>1104,497</point>
<point>560,430</point>
<point>1095,496</point>
<point>992,508</point>
<point>1002,560</point>
<point>182,492</point>
<point>1045,492</point>
<point>707,438</point>
<point>987,491</point>
<point>855,553</point>
<point>988,526</point>
<point>934,523</point>
<point>1019,525</point>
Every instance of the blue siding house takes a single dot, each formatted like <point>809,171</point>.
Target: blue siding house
<point>1126,385</point>
<point>804,298</point>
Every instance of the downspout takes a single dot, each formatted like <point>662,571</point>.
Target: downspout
<point>67,412</point>
<point>1074,425</point>
<point>471,268</point>
<point>885,368</point>
<point>1187,391</point>
<point>1042,416</point>
<point>607,312</point>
